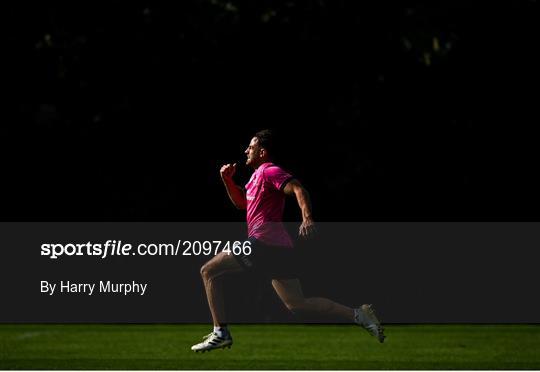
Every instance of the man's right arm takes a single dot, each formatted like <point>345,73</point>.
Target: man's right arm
<point>235,192</point>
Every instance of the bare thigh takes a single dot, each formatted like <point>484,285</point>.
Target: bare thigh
<point>222,263</point>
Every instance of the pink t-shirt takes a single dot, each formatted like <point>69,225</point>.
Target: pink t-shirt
<point>265,204</point>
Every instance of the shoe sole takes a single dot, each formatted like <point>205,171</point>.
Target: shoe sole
<point>209,350</point>
<point>214,348</point>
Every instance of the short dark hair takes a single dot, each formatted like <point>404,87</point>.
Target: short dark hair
<point>266,140</point>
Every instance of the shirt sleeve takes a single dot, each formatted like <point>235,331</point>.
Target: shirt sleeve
<point>277,177</point>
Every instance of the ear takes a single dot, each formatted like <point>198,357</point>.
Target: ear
<point>262,153</point>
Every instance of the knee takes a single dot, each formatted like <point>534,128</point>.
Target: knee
<point>207,271</point>
<point>297,307</point>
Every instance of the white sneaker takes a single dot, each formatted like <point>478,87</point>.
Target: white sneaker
<point>369,321</point>
<point>211,342</point>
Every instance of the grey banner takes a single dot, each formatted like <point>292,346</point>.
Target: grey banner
<point>411,272</point>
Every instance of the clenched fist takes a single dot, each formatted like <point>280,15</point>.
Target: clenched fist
<point>227,172</point>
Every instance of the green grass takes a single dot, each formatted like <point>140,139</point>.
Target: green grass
<point>270,347</point>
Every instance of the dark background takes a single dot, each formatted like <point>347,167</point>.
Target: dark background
<point>125,111</point>
<point>423,111</point>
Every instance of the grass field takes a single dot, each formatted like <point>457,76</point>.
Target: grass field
<point>270,347</point>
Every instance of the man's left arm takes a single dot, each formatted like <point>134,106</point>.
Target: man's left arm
<point>294,187</point>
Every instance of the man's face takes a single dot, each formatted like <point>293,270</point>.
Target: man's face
<point>253,153</point>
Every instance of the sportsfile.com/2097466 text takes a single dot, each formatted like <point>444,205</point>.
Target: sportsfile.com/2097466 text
<point>111,248</point>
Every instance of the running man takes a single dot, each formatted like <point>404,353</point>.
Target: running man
<point>272,247</point>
